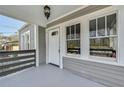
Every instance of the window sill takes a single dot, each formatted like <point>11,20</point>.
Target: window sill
<point>103,59</point>
<point>73,55</point>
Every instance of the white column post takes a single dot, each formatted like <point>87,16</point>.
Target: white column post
<point>36,42</point>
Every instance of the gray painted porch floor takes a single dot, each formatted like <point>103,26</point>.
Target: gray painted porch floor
<point>46,76</point>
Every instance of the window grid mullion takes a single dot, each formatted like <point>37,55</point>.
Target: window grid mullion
<point>106,26</point>
<point>96,27</point>
<point>70,32</point>
<point>75,32</point>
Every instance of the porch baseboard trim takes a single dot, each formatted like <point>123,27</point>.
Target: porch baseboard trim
<point>108,75</point>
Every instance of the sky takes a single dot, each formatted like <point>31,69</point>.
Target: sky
<point>9,26</point>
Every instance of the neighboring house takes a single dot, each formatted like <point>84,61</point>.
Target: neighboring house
<point>9,43</point>
<point>13,45</point>
<point>14,41</point>
<point>10,46</point>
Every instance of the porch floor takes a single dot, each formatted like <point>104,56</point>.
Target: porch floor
<point>46,76</point>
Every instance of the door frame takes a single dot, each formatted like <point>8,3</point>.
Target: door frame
<point>47,44</point>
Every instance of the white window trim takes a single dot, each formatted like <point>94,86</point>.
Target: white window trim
<point>98,58</point>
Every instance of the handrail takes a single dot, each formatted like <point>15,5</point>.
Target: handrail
<point>12,61</point>
<point>16,52</point>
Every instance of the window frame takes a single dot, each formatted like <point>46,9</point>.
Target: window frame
<point>116,36</point>
<point>72,54</point>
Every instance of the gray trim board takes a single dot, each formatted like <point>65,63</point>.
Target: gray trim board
<point>84,11</point>
<point>42,44</point>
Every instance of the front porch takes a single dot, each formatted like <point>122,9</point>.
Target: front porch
<point>66,42</point>
<point>46,76</point>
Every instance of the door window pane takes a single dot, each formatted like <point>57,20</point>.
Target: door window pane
<point>54,33</point>
<point>92,28</point>
<point>111,24</point>
<point>101,26</point>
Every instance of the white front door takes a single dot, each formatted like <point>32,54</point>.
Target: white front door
<point>54,46</point>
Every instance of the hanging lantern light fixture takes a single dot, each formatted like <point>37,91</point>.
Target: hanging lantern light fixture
<point>47,11</point>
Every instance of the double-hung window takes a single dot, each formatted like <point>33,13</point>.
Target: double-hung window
<point>103,36</point>
<point>73,39</point>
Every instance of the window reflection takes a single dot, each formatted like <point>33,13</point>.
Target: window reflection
<point>101,26</point>
<point>93,28</point>
<point>103,47</point>
<point>111,24</point>
<point>103,39</point>
<point>73,39</point>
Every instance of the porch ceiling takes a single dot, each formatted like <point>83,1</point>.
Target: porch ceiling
<point>34,13</point>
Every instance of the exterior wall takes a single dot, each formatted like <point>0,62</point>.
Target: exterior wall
<point>107,74</point>
<point>42,44</point>
<point>37,41</point>
<point>84,20</point>
<point>84,56</point>
<point>15,47</point>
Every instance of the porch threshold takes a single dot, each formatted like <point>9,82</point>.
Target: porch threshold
<point>46,76</point>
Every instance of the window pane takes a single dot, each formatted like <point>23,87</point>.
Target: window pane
<point>111,24</point>
<point>101,26</point>
<point>92,28</point>
<point>104,47</point>
<point>68,32</point>
<point>73,43</point>
<point>77,31</point>
<point>27,41</point>
<point>72,31</point>
<point>73,46</point>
